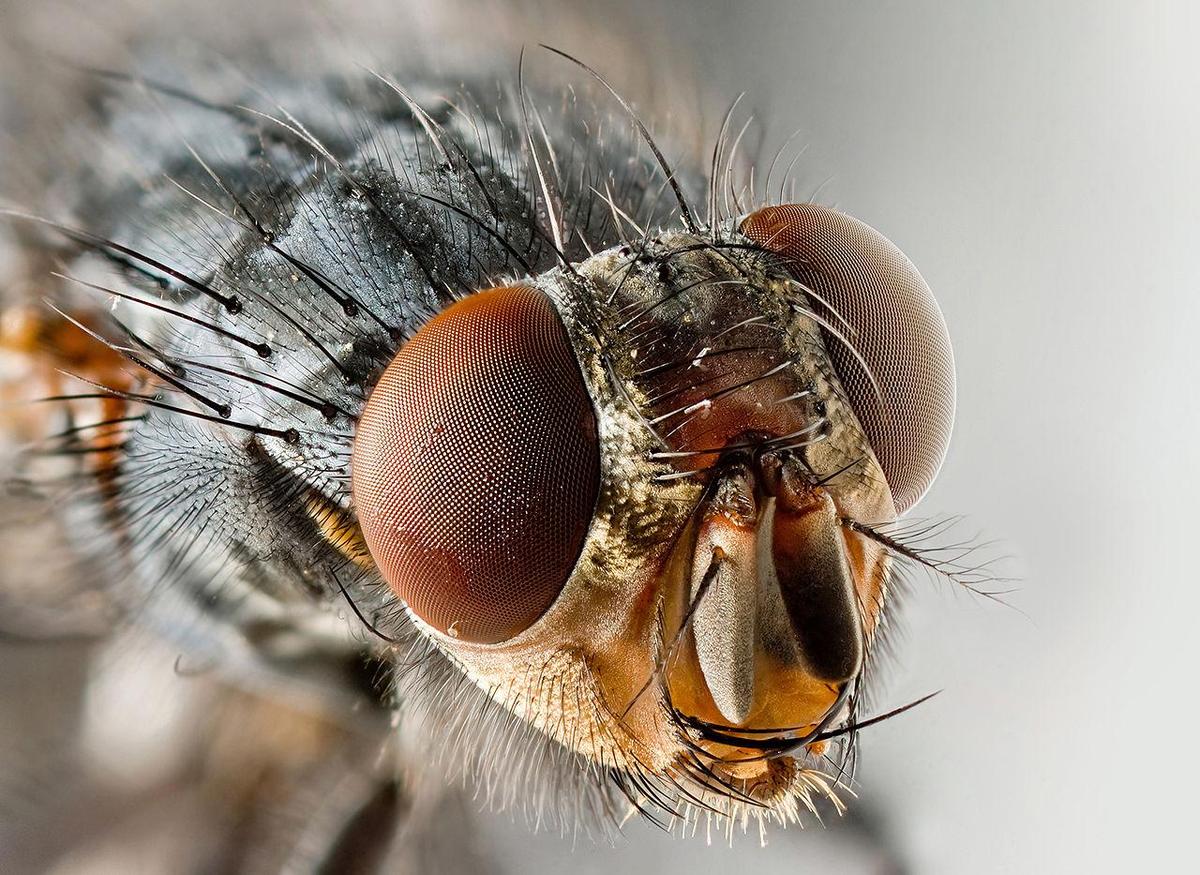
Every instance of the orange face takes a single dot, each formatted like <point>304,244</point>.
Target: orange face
<point>628,499</point>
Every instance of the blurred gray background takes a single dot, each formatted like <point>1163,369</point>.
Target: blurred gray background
<point>1038,162</point>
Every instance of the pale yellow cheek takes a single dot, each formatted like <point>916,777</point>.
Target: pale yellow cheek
<point>560,694</point>
<point>871,566</point>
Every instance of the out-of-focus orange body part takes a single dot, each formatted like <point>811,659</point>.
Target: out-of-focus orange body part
<point>40,350</point>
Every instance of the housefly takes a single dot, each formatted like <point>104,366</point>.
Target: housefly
<point>541,457</point>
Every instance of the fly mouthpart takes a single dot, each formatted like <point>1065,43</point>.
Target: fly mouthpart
<point>776,637</point>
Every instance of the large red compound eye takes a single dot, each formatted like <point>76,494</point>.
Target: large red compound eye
<point>476,465</point>
<point>861,282</point>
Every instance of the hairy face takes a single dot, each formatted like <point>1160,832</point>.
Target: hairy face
<point>682,580</point>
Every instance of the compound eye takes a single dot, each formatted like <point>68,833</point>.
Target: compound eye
<point>865,287</point>
<point>476,465</point>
